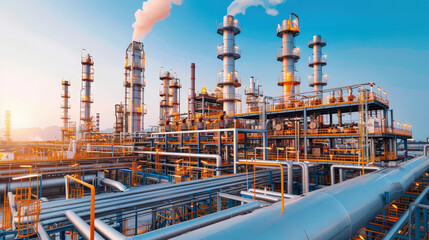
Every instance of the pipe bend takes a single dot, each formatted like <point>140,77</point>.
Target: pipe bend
<point>114,184</point>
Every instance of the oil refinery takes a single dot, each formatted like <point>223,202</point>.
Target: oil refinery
<point>330,163</point>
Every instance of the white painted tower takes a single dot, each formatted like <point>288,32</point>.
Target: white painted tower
<point>86,98</point>
<point>288,54</point>
<point>228,52</point>
<point>317,61</point>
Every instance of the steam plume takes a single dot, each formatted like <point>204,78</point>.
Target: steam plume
<point>151,12</point>
<point>240,6</point>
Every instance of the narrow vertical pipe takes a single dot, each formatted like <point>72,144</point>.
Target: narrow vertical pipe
<point>192,93</point>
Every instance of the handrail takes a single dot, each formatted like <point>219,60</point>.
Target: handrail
<point>92,216</point>
<point>281,177</point>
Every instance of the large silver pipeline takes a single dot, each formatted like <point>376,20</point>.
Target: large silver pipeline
<point>45,183</point>
<point>333,167</point>
<point>259,196</point>
<point>334,212</point>
<point>183,227</point>
<point>114,184</point>
<point>81,225</point>
<point>107,231</point>
<point>43,235</point>
<point>192,155</point>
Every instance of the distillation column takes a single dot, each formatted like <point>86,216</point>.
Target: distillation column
<point>164,93</point>
<point>191,97</point>
<point>86,98</point>
<point>119,118</point>
<point>317,61</point>
<point>228,52</point>
<point>288,54</point>
<point>134,88</point>
<point>65,107</point>
<point>97,122</point>
<point>174,103</point>
<point>253,93</point>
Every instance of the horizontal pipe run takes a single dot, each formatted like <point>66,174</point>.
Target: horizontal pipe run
<point>334,212</point>
<point>234,197</point>
<point>261,196</point>
<point>272,193</point>
<point>183,227</point>
<point>107,231</point>
<point>43,235</point>
<point>114,184</point>
<point>81,226</point>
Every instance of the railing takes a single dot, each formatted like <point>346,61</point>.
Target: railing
<point>166,74</point>
<point>229,80</point>
<point>175,83</point>
<point>322,59</point>
<point>289,79</point>
<point>66,105</point>
<point>228,24</point>
<point>89,98</point>
<point>254,92</point>
<point>230,96</point>
<point>88,76</point>
<point>65,95</point>
<point>222,50</point>
<point>287,52</point>
<point>321,41</point>
<point>289,26</point>
<point>87,60</point>
<point>312,81</point>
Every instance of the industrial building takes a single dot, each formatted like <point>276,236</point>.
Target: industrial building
<point>322,164</point>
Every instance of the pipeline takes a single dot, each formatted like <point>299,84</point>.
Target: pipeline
<point>114,184</point>
<point>107,231</point>
<point>183,227</point>
<point>43,235</point>
<point>46,183</point>
<point>426,150</point>
<point>192,155</point>
<point>53,212</point>
<point>81,225</point>
<point>334,212</point>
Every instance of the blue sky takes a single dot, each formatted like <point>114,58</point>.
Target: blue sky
<point>40,42</point>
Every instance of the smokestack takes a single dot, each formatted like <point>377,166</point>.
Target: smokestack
<point>288,55</point>
<point>65,106</point>
<point>228,52</point>
<point>85,92</point>
<point>192,90</point>
<point>317,61</point>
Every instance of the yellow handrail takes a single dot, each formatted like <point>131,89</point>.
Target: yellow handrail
<point>92,219</point>
<point>281,177</point>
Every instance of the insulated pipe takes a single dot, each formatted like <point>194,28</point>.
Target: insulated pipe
<point>333,167</point>
<point>260,196</point>
<point>192,155</point>
<point>12,206</point>
<point>81,225</point>
<point>272,193</point>
<point>426,150</point>
<point>107,231</point>
<point>183,227</point>
<point>43,235</point>
<point>114,184</point>
<point>46,183</point>
<point>334,212</point>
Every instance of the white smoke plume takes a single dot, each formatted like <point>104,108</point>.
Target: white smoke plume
<point>151,12</point>
<point>240,6</point>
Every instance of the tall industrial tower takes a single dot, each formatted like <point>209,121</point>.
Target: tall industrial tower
<point>7,124</point>
<point>288,54</point>
<point>165,77</point>
<point>253,93</point>
<point>86,98</point>
<point>134,88</point>
<point>65,107</point>
<point>228,52</point>
<point>317,61</point>
<point>174,100</point>
<point>191,97</point>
